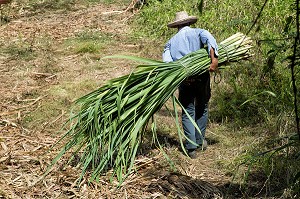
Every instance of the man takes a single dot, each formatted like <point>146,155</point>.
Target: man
<point>194,93</point>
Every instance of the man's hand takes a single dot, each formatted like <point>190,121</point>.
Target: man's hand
<point>214,61</point>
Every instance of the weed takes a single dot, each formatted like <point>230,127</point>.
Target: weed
<point>88,47</point>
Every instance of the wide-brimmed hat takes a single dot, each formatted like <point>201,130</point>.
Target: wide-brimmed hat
<point>182,18</point>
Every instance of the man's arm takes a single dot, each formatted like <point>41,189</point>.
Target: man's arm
<point>167,54</point>
<point>210,41</point>
<point>214,61</point>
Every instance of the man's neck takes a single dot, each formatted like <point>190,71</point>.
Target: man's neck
<point>180,27</point>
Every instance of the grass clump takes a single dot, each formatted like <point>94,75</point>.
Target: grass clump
<point>89,41</point>
<point>20,50</point>
<point>88,47</point>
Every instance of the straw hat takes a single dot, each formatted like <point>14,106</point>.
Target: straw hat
<point>182,18</point>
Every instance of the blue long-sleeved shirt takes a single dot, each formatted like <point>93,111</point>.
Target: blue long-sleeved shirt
<point>188,40</point>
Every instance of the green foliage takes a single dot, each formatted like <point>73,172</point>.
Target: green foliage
<point>267,71</point>
<point>153,18</point>
<point>222,18</point>
<point>87,47</point>
<point>278,167</point>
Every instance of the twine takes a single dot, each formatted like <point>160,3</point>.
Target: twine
<point>227,55</point>
<point>188,71</point>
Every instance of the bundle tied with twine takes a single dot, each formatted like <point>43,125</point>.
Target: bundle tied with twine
<point>107,130</point>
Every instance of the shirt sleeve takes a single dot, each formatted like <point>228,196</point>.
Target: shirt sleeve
<point>209,40</point>
<point>167,53</point>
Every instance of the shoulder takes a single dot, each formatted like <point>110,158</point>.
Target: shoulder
<point>174,38</point>
<point>200,30</point>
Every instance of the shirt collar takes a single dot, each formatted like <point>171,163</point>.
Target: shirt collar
<point>185,27</point>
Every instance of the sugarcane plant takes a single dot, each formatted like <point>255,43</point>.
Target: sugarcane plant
<point>107,130</point>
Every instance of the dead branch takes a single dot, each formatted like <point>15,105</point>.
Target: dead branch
<point>134,4</point>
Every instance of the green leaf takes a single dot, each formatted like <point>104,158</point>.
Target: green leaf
<point>133,58</point>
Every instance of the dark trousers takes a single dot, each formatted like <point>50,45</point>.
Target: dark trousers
<point>194,94</point>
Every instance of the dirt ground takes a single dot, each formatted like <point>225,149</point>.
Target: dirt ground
<point>26,85</point>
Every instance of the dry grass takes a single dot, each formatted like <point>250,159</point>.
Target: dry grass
<point>23,160</point>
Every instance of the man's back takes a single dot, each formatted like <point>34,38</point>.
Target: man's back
<point>185,41</point>
<point>188,40</point>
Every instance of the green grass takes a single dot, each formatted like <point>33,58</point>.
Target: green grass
<point>20,50</point>
<point>88,47</point>
<point>267,71</point>
<point>88,41</point>
<point>57,99</point>
<point>72,90</point>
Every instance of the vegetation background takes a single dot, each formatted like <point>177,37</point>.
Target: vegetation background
<point>49,56</point>
<point>255,98</point>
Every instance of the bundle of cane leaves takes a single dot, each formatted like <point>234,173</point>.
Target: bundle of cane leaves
<point>108,128</point>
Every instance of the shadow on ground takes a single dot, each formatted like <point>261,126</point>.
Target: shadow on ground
<point>176,185</point>
<point>166,140</point>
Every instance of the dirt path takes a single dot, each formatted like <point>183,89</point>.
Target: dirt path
<point>33,64</point>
